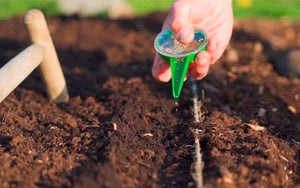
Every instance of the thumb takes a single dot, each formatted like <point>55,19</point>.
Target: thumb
<point>180,21</point>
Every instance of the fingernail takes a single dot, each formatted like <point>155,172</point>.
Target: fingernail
<point>203,60</point>
<point>184,35</point>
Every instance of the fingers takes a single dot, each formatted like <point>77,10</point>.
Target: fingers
<point>180,21</point>
<point>161,70</point>
<point>199,67</point>
<point>215,48</point>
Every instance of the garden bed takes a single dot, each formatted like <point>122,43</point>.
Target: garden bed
<point>123,129</point>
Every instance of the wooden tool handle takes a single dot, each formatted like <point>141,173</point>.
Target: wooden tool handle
<point>18,68</point>
<point>50,68</point>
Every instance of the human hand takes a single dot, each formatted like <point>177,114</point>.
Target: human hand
<point>214,17</point>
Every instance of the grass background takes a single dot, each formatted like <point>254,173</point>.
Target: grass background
<point>10,8</point>
<point>242,8</point>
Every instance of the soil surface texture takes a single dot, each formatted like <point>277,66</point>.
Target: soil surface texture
<point>121,128</point>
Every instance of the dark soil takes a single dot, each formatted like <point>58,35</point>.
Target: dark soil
<point>107,67</point>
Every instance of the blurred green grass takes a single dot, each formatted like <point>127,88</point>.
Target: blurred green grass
<point>257,8</point>
<point>147,6</point>
<point>268,8</point>
<point>10,8</point>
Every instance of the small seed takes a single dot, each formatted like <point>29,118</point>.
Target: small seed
<point>39,161</point>
<point>147,134</point>
<point>115,126</point>
<point>292,109</point>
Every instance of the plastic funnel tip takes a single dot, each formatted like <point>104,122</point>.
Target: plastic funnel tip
<point>179,67</point>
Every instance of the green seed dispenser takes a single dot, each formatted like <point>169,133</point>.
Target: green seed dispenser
<point>179,55</point>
